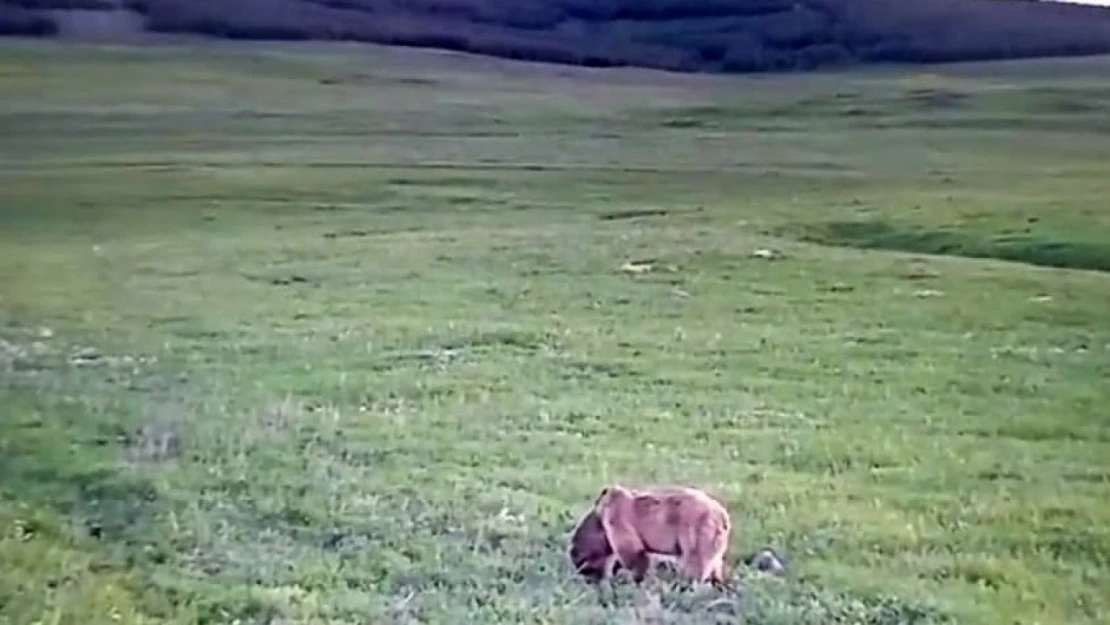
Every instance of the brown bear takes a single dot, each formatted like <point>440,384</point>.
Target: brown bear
<point>636,529</point>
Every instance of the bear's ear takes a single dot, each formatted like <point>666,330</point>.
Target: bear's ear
<point>601,494</point>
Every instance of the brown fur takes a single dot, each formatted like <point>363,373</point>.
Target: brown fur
<point>591,554</point>
<point>683,523</point>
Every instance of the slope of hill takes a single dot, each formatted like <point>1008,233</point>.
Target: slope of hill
<point>354,334</point>
<point>699,35</point>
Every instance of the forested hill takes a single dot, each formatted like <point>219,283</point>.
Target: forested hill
<point>706,35</point>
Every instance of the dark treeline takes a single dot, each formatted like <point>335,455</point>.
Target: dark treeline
<point>15,20</point>
<point>701,35</point>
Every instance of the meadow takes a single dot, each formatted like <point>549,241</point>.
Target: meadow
<point>323,333</point>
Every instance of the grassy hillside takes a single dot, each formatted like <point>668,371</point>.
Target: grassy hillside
<point>320,334</point>
<point>699,35</point>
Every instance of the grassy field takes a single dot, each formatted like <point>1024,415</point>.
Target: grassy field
<point>312,334</point>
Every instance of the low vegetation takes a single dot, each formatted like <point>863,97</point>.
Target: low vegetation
<point>957,241</point>
<point>353,334</point>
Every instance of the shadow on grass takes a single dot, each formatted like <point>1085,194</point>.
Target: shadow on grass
<point>765,601</point>
<point>1030,249</point>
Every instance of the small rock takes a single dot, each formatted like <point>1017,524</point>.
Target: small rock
<point>765,254</point>
<point>767,561</point>
<point>638,267</point>
<point>85,355</point>
<point>926,293</point>
<point>45,333</point>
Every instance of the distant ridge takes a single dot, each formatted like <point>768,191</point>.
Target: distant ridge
<point>684,35</point>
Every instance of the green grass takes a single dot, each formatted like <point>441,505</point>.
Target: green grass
<point>959,241</point>
<point>339,334</point>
